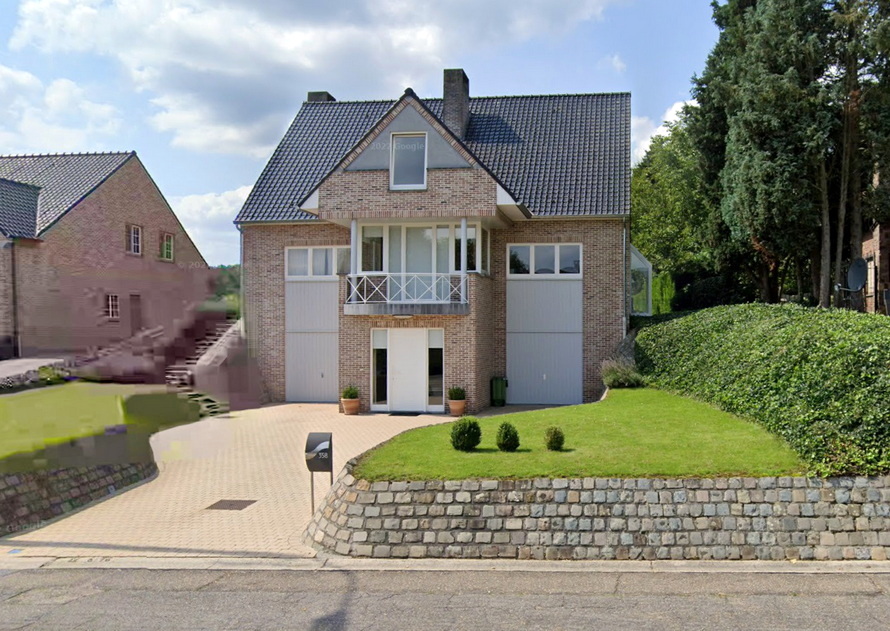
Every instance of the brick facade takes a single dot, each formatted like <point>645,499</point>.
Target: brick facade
<point>263,269</point>
<point>5,289</point>
<point>452,193</point>
<point>64,277</point>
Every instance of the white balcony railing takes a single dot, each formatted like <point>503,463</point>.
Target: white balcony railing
<point>407,288</point>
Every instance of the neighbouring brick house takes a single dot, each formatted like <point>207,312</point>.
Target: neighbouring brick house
<point>876,252</point>
<point>409,246</point>
<point>90,253</point>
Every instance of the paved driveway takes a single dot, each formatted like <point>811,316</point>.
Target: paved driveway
<point>11,367</point>
<point>252,455</point>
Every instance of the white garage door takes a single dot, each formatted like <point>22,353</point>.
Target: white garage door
<point>545,363</point>
<point>312,346</point>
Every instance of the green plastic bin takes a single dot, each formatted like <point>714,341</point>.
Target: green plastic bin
<point>499,391</point>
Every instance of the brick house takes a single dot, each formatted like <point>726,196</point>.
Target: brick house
<point>876,252</point>
<point>90,253</point>
<point>409,246</point>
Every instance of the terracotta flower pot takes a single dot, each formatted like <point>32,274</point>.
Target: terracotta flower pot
<point>350,406</point>
<point>457,406</point>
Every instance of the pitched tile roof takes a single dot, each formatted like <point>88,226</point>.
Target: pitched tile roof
<point>63,179</point>
<point>18,209</point>
<point>558,154</point>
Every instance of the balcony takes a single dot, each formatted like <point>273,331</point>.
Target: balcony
<point>406,294</point>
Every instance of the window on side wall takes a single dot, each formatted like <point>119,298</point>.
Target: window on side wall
<point>870,276</point>
<point>134,239</point>
<point>321,262</point>
<point>166,246</point>
<point>408,162</point>
<point>544,260</point>
<point>112,307</point>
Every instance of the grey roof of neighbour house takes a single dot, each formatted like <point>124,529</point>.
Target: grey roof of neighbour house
<point>63,179</point>
<point>18,209</point>
<point>559,155</point>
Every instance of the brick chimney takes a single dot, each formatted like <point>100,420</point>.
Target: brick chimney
<point>456,101</point>
<point>319,97</point>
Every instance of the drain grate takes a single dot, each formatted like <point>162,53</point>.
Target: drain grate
<point>404,413</point>
<point>231,505</point>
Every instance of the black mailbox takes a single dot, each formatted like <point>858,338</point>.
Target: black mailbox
<point>320,453</point>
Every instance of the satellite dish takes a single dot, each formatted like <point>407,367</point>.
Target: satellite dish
<point>857,275</point>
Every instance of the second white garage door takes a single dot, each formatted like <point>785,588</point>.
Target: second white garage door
<point>545,363</point>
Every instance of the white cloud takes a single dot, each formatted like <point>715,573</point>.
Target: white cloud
<point>643,129</point>
<point>225,75</point>
<point>51,118</point>
<point>208,220</point>
<point>614,62</point>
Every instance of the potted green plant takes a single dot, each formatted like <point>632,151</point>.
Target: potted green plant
<point>349,400</point>
<point>457,400</point>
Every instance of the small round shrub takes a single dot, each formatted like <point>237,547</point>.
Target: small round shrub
<point>508,437</point>
<point>350,392</point>
<point>554,439</point>
<point>465,433</point>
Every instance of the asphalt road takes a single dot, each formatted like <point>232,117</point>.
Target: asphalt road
<point>123,600</point>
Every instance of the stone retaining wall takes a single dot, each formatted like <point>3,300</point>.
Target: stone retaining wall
<point>598,518</point>
<point>27,500</point>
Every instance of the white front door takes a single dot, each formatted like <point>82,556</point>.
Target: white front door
<point>408,370</point>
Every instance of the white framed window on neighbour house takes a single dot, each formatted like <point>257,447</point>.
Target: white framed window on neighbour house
<point>112,307</point>
<point>870,276</point>
<point>134,239</point>
<point>544,260</point>
<point>316,262</point>
<point>167,246</point>
<point>407,167</point>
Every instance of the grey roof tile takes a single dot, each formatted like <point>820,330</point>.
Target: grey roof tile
<point>63,179</point>
<point>558,154</point>
<point>18,209</point>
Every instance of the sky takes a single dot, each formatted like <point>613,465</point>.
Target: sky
<point>203,90</point>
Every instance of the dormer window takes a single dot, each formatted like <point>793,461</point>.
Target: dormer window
<point>408,165</point>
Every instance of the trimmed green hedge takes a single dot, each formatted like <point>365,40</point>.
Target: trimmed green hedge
<point>819,379</point>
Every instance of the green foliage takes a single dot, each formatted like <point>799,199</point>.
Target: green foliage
<point>668,205</point>
<point>662,293</point>
<point>508,437</point>
<point>554,439</point>
<point>50,375</point>
<point>621,373</point>
<point>818,379</point>
<point>456,393</point>
<point>465,433</point>
<point>350,392</point>
<point>228,280</point>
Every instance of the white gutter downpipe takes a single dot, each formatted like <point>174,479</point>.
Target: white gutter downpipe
<point>353,249</point>
<point>463,257</point>
<point>624,266</point>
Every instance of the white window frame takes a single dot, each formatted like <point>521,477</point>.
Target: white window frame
<point>557,274</point>
<point>134,240</point>
<point>453,236</point>
<point>392,160</point>
<point>112,306</point>
<point>164,238</point>
<point>310,248</point>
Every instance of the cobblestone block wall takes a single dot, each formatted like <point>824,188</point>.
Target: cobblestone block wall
<point>27,500</point>
<point>597,518</point>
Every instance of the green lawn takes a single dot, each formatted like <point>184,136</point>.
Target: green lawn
<point>633,433</point>
<point>33,419</point>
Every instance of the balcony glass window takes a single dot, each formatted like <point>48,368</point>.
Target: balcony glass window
<point>372,249</point>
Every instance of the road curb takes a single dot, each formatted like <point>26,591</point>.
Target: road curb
<point>439,565</point>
